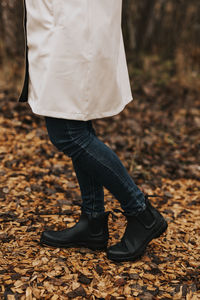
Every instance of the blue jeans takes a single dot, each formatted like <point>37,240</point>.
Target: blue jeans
<point>95,165</point>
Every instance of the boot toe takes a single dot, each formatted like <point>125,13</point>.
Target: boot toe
<point>49,236</point>
<point>118,251</point>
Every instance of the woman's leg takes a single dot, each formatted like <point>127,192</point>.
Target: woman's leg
<point>92,192</point>
<point>77,139</point>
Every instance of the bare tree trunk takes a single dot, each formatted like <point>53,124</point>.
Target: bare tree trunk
<point>11,42</point>
<point>144,28</point>
<point>12,27</point>
<point>1,35</point>
<point>129,30</point>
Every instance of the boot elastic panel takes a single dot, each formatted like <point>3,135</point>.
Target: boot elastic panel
<point>145,217</point>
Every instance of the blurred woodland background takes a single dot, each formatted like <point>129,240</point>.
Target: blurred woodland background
<point>156,137</point>
<point>163,33</point>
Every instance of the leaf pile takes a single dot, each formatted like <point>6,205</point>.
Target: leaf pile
<point>158,143</point>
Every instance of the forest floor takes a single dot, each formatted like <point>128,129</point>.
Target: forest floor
<point>157,138</point>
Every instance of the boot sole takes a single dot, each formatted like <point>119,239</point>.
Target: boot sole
<point>73,245</point>
<point>158,233</point>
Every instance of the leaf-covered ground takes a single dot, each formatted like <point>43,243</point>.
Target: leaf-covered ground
<point>157,139</point>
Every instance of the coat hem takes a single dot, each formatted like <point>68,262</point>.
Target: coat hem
<point>79,116</point>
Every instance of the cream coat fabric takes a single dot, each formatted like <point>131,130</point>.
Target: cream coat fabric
<point>77,61</point>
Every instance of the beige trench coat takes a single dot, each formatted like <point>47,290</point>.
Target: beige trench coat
<point>75,59</point>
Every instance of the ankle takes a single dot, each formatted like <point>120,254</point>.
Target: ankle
<point>137,212</point>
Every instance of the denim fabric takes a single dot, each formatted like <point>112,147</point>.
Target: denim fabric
<point>96,166</point>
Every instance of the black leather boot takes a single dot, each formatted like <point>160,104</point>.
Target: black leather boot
<point>140,230</point>
<point>91,231</point>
